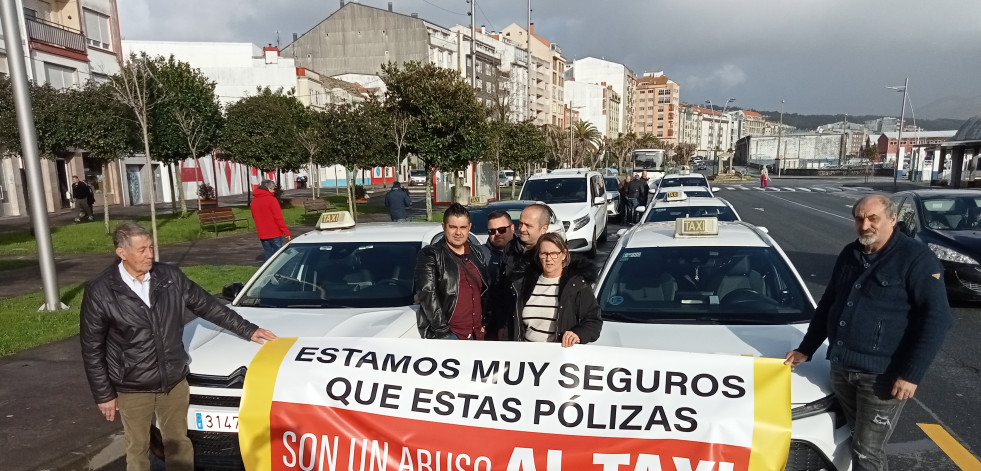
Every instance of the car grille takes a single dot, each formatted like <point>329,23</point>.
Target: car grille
<point>804,456</point>
<point>236,380</point>
<point>217,401</point>
<point>216,450</point>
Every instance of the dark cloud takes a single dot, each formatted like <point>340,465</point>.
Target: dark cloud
<point>833,56</point>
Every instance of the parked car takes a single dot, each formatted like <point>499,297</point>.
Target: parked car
<point>731,291</point>
<point>612,196</point>
<point>417,177</point>
<point>949,223</point>
<point>578,198</point>
<point>478,217</point>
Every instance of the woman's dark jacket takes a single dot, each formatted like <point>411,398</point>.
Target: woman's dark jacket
<point>129,347</point>
<point>437,277</point>
<point>577,310</point>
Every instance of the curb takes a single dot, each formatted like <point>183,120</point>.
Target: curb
<point>98,454</point>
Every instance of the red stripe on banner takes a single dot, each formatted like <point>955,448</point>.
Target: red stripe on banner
<point>317,437</point>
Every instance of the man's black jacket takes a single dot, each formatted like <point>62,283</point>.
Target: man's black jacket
<point>886,316</point>
<point>437,278</point>
<point>129,347</point>
<point>514,263</point>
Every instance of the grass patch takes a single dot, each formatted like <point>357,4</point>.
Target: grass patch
<point>25,328</point>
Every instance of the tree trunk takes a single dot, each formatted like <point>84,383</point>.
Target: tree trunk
<point>153,196</point>
<point>313,193</point>
<point>173,192</point>
<point>180,189</point>
<point>105,197</point>
<point>429,193</point>
<point>350,191</point>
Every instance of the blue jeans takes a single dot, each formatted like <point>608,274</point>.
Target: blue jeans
<point>270,246</point>
<point>871,412</point>
<point>632,215</point>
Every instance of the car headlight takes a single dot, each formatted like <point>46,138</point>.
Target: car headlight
<point>580,223</point>
<point>950,255</point>
<point>820,406</point>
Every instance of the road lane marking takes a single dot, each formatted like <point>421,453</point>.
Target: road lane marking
<point>805,189</point>
<point>957,453</point>
<point>812,208</point>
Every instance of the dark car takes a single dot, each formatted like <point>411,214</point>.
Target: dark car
<point>478,217</point>
<point>949,223</point>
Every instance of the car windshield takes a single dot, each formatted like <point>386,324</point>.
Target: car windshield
<point>612,184</point>
<point>719,285</point>
<point>417,173</point>
<point>952,213</point>
<point>661,195</point>
<point>334,275</point>
<point>684,181</point>
<point>670,213</point>
<point>555,190</point>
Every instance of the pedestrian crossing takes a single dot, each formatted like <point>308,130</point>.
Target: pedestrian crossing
<point>803,189</point>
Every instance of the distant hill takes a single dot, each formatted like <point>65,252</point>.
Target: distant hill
<point>957,107</point>
<point>812,121</point>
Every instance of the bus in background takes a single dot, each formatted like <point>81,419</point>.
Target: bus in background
<point>651,160</point>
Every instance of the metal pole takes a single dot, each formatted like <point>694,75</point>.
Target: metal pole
<point>779,138</point>
<point>529,63</point>
<point>899,138</point>
<point>473,47</point>
<point>28,141</point>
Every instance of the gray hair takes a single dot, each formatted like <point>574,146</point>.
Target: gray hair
<point>126,232</point>
<point>268,184</point>
<point>891,208</point>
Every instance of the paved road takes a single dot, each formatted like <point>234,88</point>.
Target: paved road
<point>812,226</point>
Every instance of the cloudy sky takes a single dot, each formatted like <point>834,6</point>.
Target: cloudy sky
<point>821,56</point>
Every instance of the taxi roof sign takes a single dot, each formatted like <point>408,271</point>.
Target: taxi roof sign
<point>696,227</point>
<point>335,220</point>
<point>676,196</point>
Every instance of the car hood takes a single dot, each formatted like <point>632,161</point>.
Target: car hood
<point>569,211</point>
<point>967,240</point>
<point>810,381</point>
<point>215,351</point>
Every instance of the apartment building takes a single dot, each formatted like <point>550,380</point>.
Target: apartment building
<point>622,80</point>
<point>546,76</point>
<point>598,104</point>
<point>509,79</point>
<point>656,107</point>
<point>708,129</point>
<point>68,43</point>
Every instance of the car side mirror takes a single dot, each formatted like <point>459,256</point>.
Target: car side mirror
<point>599,200</point>
<point>231,290</point>
<point>641,208</point>
<point>715,188</point>
<point>763,229</point>
<point>621,232</point>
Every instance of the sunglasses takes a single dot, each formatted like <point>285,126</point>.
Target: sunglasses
<point>498,230</point>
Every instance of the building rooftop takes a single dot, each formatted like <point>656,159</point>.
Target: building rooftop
<point>922,134</point>
<point>969,131</point>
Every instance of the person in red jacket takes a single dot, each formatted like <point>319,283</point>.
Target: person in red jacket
<point>268,216</point>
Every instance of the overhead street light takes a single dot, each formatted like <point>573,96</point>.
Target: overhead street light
<point>899,137</point>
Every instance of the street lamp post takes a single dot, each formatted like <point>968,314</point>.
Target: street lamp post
<point>899,137</point>
<point>715,132</point>
<point>779,138</point>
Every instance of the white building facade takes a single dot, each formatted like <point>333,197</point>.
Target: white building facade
<point>596,104</point>
<point>607,73</point>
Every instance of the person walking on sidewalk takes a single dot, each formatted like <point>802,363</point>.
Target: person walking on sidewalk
<point>397,201</point>
<point>268,215</point>
<point>83,195</point>
<point>131,330</point>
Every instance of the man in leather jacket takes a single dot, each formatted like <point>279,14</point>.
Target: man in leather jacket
<point>132,349</point>
<point>518,256</point>
<point>452,283</point>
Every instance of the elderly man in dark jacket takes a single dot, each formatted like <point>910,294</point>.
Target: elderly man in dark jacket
<point>885,315</point>
<point>452,283</point>
<point>398,203</point>
<point>132,348</point>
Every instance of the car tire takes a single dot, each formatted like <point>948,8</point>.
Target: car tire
<point>604,235</point>
<point>592,250</point>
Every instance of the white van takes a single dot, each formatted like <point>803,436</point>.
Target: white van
<point>578,198</point>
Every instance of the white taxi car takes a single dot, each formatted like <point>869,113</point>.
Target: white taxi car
<point>578,198</point>
<point>678,204</point>
<point>342,280</point>
<point>684,179</point>
<point>723,288</point>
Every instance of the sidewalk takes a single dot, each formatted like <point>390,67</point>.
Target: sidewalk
<point>47,417</point>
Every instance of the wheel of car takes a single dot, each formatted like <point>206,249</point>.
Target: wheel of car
<point>592,250</point>
<point>604,234</point>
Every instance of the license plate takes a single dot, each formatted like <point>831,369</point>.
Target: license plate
<point>214,421</point>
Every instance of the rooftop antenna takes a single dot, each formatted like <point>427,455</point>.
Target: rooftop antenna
<point>277,40</point>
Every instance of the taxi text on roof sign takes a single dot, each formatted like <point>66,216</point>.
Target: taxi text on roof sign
<point>335,220</point>
<point>696,227</point>
<point>676,196</point>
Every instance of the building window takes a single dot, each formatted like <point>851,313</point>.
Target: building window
<point>97,31</point>
<point>58,76</point>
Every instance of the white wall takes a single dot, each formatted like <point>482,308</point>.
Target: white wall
<point>589,96</point>
<point>593,70</point>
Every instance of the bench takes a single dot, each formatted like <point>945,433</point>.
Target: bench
<point>216,218</point>
<point>316,204</point>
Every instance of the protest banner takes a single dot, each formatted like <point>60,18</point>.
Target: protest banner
<point>391,404</point>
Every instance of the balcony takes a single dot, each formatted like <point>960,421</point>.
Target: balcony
<point>55,34</point>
